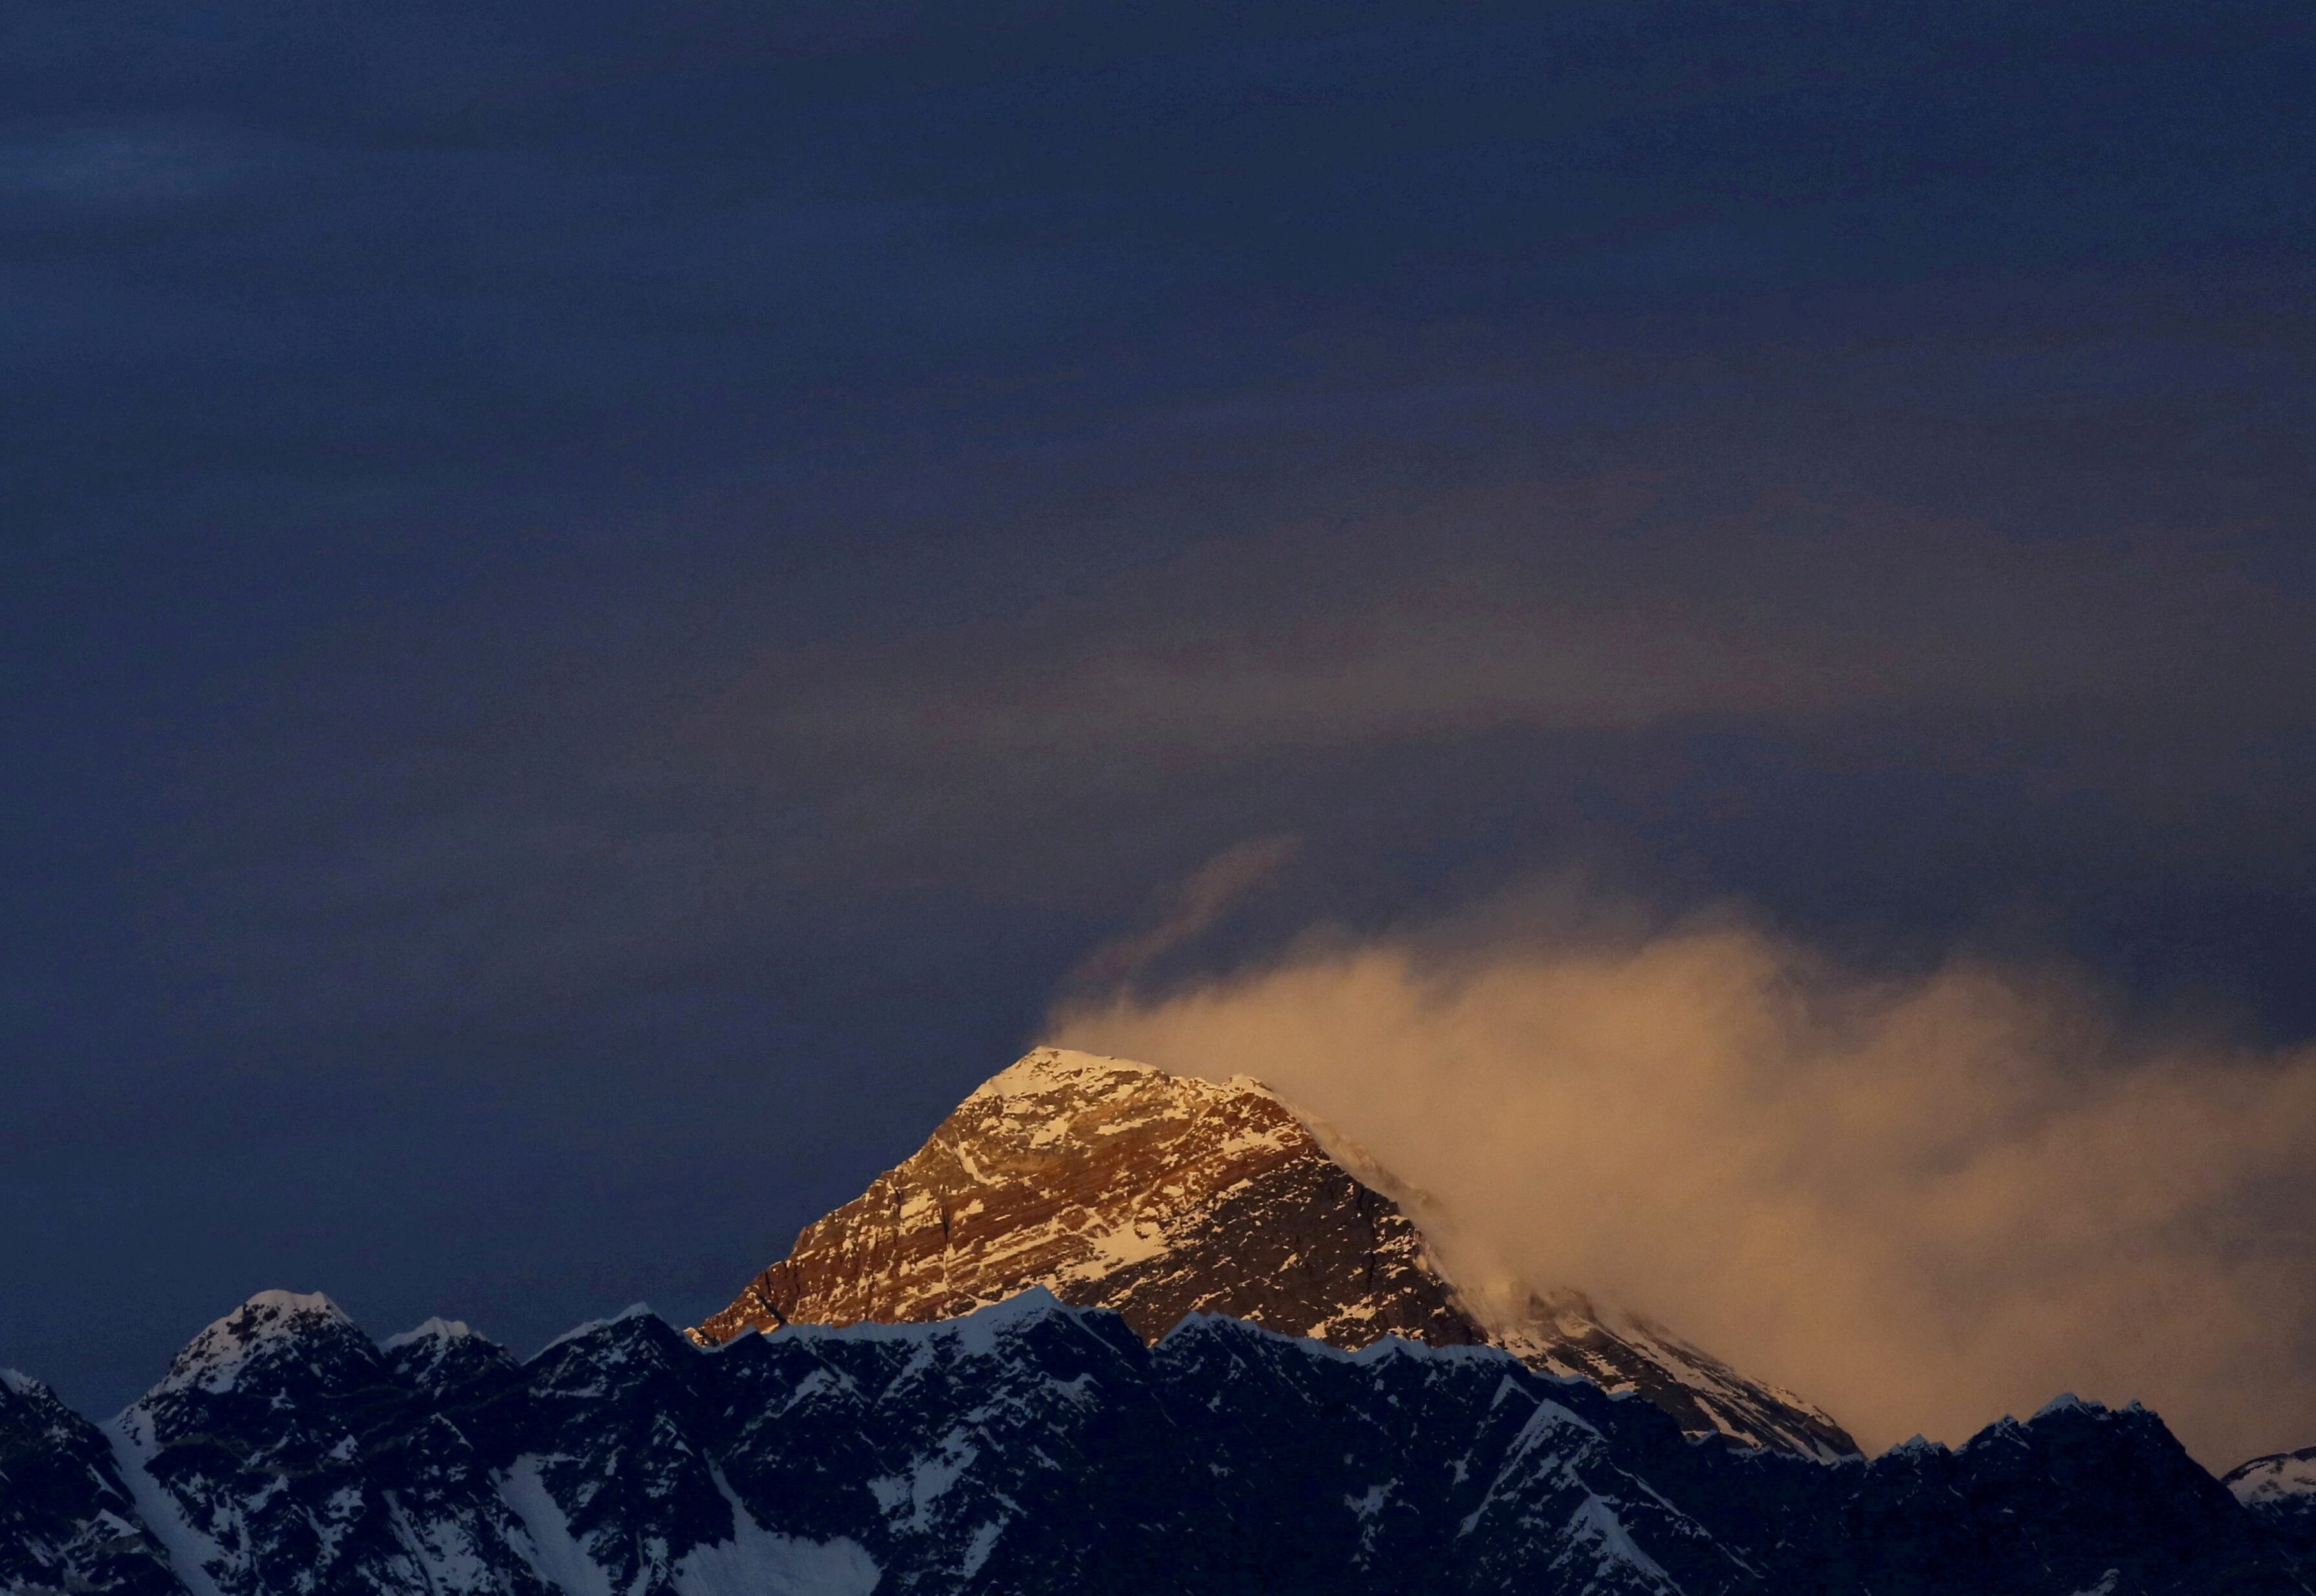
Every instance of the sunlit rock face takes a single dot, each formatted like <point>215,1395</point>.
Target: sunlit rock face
<point>1115,1185</point>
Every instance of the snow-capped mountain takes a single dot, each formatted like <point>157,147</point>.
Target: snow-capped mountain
<point>284,1447</point>
<point>1114,1184</point>
<point>1032,1448</point>
<point>927,1416</point>
<point>2280,1491</point>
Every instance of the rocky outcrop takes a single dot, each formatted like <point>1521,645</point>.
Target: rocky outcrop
<point>1115,1185</point>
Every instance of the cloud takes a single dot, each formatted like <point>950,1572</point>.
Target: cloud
<point>1576,597</point>
<point>1400,669</point>
<point>1923,1202</point>
<point>1199,902</point>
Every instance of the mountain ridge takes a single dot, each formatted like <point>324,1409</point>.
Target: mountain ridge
<point>1033,1448</point>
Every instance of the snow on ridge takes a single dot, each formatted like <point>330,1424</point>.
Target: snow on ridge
<point>20,1383</point>
<point>2282,1476</point>
<point>1538,1326</point>
<point>1595,1524</point>
<point>1046,1069</point>
<point>633,1310</point>
<point>435,1329</point>
<point>975,1333</point>
<point>2064,1402</point>
<point>269,1313</point>
<point>212,1360</point>
<point>1383,1349</point>
<point>291,1302</point>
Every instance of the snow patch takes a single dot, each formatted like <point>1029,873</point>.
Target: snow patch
<point>548,1545</point>
<point>984,1541</point>
<point>190,1554</point>
<point>2275,1479</point>
<point>926,1483</point>
<point>755,1562</point>
<point>446,1552</point>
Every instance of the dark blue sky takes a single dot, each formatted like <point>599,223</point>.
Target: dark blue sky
<point>599,602</point>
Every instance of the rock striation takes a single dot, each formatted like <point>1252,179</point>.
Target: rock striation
<point>1115,1185</point>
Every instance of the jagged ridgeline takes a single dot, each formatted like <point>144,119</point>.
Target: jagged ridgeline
<point>1032,1446</point>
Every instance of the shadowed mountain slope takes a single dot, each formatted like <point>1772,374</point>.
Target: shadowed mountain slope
<point>1031,1449</point>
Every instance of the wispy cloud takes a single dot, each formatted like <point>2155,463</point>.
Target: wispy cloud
<point>1193,908</point>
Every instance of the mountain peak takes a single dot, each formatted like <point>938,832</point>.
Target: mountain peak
<point>279,1301</point>
<point>1044,1073</point>
<point>213,1360</point>
<point>442,1354</point>
<point>1043,1070</point>
<point>2065,1401</point>
<point>436,1329</point>
<point>1115,1185</point>
<point>633,1311</point>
